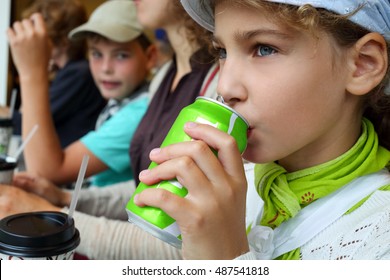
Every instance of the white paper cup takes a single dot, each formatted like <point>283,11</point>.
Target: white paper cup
<point>38,236</point>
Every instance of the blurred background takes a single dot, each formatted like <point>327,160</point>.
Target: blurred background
<point>11,10</point>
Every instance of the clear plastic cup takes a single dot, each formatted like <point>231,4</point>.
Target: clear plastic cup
<point>7,169</point>
<point>6,130</point>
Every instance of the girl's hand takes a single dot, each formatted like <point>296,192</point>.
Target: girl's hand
<point>43,188</point>
<point>14,200</point>
<point>212,216</point>
<point>30,46</point>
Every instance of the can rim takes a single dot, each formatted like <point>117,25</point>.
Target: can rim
<point>225,106</point>
<point>153,230</point>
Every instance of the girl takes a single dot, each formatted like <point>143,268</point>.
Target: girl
<point>192,72</point>
<point>309,76</point>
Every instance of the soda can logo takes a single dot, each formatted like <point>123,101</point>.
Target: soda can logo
<point>206,111</point>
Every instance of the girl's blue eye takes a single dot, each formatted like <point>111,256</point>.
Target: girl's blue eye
<point>222,53</point>
<point>263,50</point>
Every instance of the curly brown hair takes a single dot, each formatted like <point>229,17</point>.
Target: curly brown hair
<point>194,32</point>
<point>61,16</point>
<point>346,33</point>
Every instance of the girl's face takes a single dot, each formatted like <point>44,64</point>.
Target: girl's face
<point>289,87</point>
<point>117,68</point>
<point>154,13</point>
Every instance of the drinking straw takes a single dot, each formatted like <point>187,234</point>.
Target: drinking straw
<point>12,104</point>
<point>28,138</point>
<point>77,188</point>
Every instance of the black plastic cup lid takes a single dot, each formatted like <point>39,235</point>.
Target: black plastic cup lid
<point>38,234</point>
<point>7,163</point>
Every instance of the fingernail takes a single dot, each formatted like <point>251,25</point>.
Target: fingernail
<point>155,151</point>
<point>144,173</point>
<point>191,124</point>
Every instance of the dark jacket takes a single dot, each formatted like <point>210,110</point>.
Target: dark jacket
<point>75,102</point>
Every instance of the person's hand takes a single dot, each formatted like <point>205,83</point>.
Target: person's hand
<point>4,111</point>
<point>14,200</point>
<point>43,188</point>
<point>212,216</point>
<point>30,46</point>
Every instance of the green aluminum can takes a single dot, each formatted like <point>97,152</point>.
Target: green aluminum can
<point>203,110</point>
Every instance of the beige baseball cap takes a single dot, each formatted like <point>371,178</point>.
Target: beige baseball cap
<point>115,20</point>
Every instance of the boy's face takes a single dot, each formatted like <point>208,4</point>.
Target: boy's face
<point>117,68</point>
<point>287,84</point>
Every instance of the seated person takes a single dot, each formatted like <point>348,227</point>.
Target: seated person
<point>349,177</point>
<point>121,58</point>
<point>75,101</point>
<point>100,211</point>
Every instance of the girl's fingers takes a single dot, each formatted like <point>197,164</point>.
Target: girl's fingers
<point>186,161</point>
<point>226,145</point>
<point>183,169</point>
<point>175,206</point>
<point>215,203</point>
<point>229,162</point>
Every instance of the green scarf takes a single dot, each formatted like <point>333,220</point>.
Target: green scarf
<point>285,194</point>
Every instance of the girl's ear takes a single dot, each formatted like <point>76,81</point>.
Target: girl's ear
<point>368,63</point>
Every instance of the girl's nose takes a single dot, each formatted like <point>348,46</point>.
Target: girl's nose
<point>230,83</point>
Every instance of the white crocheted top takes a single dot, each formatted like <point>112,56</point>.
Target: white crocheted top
<point>363,234</point>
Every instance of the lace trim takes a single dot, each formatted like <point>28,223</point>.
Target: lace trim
<point>364,234</point>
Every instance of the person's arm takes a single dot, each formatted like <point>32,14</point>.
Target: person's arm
<point>4,111</point>
<point>31,50</point>
<point>14,200</point>
<point>103,239</point>
<point>216,200</point>
<point>109,202</point>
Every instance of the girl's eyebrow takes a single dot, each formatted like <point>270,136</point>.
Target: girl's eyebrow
<point>247,35</point>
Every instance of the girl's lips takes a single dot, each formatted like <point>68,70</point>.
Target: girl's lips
<point>249,132</point>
